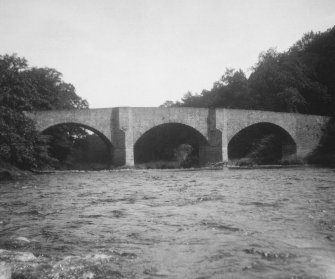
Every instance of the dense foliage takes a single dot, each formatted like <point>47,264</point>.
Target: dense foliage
<point>301,79</point>
<point>25,89</point>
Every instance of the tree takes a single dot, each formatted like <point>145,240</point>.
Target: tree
<point>277,83</point>
<point>301,79</point>
<point>24,89</point>
<point>317,53</point>
<point>16,91</point>
<point>20,143</point>
<point>52,92</point>
<point>231,91</point>
<point>167,104</point>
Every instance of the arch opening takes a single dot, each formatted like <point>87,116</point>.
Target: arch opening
<point>78,146</point>
<point>170,145</point>
<point>262,143</point>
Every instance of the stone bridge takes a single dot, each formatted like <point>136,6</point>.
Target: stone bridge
<point>122,128</point>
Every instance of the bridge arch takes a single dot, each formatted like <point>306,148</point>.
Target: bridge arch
<point>263,141</point>
<point>97,119</point>
<point>108,154</point>
<point>165,141</point>
<point>144,119</point>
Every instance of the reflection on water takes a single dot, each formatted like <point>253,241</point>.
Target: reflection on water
<point>173,224</point>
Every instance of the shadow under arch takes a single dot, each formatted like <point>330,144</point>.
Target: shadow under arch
<point>164,141</point>
<point>65,127</point>
<point>263,143</point>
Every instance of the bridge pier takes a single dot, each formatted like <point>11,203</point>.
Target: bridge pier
<point>209,155</point>
<point>212,152</point>
<point>122,136</point>
<point>224,154</point>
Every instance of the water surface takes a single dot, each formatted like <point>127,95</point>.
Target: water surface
<point>261,223</point>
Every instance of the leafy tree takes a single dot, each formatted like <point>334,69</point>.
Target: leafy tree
<point>167,104</point>
<point>18,139</point>
<point>301,79</point>
<point>24,89</point>
<point>277,82</point>
<point>231,91</point>
<point>317,53</point>
<point>16,91</point>
<point>52,92</point>
<point>20,144</point>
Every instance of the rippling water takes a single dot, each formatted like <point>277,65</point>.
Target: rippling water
<point>265,223</point>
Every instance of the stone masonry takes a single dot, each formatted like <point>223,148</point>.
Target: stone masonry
<point>121,127</point>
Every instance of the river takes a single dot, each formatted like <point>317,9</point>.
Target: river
<point>256,223</point>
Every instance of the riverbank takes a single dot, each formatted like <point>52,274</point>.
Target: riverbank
<point>10,172</point>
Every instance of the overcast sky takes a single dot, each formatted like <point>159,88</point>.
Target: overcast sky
<point>143,52</point>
